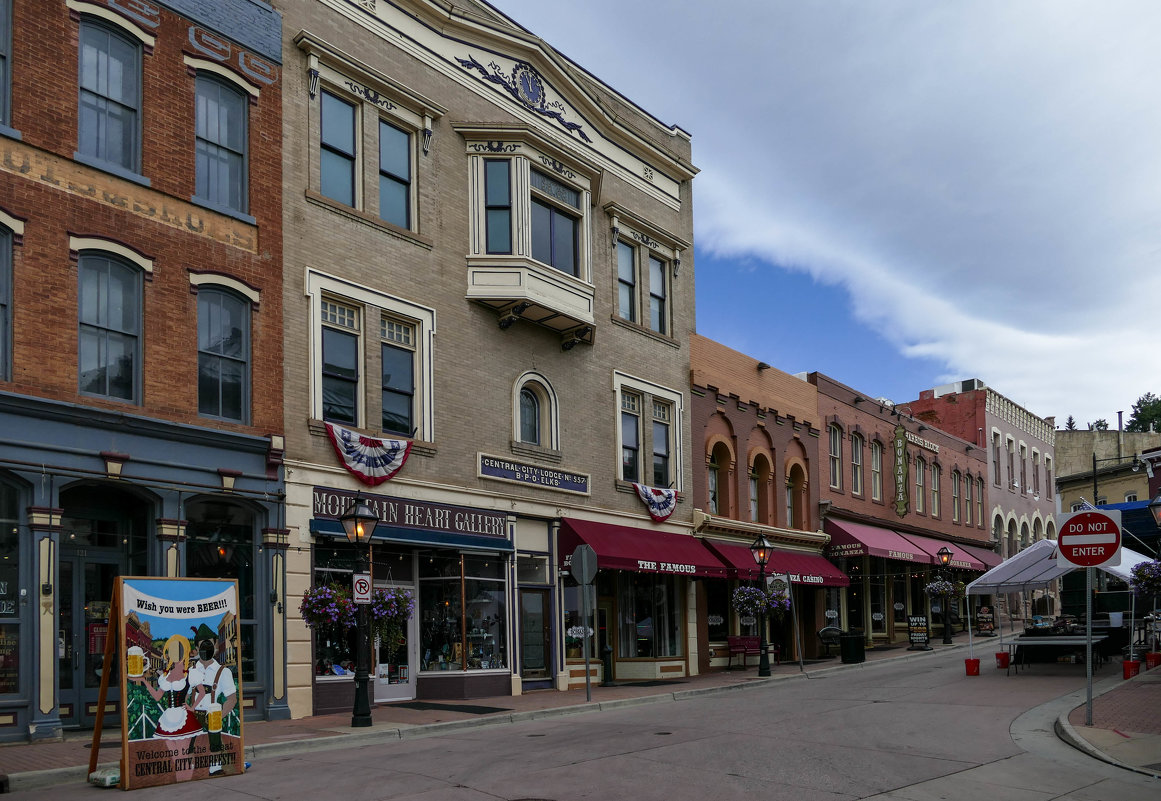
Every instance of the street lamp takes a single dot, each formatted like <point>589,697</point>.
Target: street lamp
<point>761,552</point>
<point>944,555</point>
<point>359,524</point>
<point>1155,510</point>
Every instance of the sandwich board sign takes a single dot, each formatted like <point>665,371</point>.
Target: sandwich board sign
<point>1091,538</point>
<point>175,645</point>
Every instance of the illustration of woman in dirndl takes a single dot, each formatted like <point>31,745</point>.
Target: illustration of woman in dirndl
<point>178,722</point>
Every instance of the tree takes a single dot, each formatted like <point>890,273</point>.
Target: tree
<point>1146,414</point>
<point>1070,423</point>
<point>1099,425</point>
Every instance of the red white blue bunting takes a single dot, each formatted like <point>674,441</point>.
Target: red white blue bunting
<point>659,502</point>
<point>371,460</point>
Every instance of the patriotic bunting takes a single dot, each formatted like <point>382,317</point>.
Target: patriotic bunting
<point>659,502</point>
<point>372,460</point>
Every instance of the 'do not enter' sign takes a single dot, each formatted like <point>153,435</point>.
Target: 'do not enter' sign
<point>1091,538</point>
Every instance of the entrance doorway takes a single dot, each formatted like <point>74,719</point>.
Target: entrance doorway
<point>534,650</point>
<point>84,591</point>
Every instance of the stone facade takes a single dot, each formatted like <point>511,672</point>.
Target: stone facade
<point>421,262</point>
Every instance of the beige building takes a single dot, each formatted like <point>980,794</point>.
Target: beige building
<point>1120,475</point>
<point>489,298</point>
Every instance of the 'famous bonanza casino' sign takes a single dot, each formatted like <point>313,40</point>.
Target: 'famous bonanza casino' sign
<point>406,513</point>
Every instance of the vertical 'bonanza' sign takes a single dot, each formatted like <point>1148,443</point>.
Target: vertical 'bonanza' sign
<point>181,716</point>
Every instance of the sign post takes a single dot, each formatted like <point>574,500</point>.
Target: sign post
<point>1088,539</point>
<point>583,566</point>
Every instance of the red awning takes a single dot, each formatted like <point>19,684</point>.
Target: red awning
<point>989,558</point>
<point>959,557</point>
<point>639,549</point>
<point>803,568</point>
<point>857,539</point>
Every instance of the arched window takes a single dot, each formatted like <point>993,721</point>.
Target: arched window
<point>109,122</point>
<point>720,480</point>
<point>876,471</point>
<point>856,464</point>
<point>968,485</point>
<point>920,480</point>
<point>796,496</point>
<point>535,412</point>
<point>936,475</point>
<point>836,456</point>
<point>223,354</point>
<point>220,144</point>
<point>980,502</point>
<point>529,417</point>
<point>955,496</point>
<point>109,306</point>
<point>760,511</point>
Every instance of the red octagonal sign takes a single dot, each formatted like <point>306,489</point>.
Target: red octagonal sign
<point>1091,538</point>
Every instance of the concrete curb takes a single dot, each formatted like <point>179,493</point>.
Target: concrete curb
<point>1068,733</point>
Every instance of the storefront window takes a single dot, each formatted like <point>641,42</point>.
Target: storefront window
<point>334,651</point>
<point>575,626</point>
<point>832,608</point>
<point>455,635</point>
<point>717,606</point>
<point>649,615</point>
<point>878,596</point>
<point>220,544</point>
<point>9,590</point>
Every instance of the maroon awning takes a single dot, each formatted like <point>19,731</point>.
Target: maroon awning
<point>989,558</point>
<point>959,557</point>
<point>639,549</point>
<point>803,568</point>
<point>857,539</point>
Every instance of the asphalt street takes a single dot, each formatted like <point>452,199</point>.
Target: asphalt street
<point>912,730</point>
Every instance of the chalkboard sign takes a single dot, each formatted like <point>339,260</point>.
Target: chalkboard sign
<point>917,632</point>
<point>985,620</point>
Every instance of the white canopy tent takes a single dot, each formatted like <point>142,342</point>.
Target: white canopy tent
<point>1037,566</point>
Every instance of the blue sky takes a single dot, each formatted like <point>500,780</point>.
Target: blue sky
<point>941,190</point>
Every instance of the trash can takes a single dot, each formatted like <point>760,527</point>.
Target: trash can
<point>851,648</point>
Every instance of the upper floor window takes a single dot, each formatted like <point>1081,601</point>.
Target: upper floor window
<point>109,304</point>
<point>397,357</point>
<point>1012,481</point>
<point>5,60</point>
<point>1036,472</point>
<point>936,475</point>
<point>394,175</point>
<point>836,457</point>
<point>996,457</point>
<point>1130,497</point>
<point>980,502</point>
<point>630,436</point>
<point>5,304</point>
<point>753,497</point>
<point>1024,468</point>
<point>1076,507</point>
<point>346,360</point>
<point>1047,476</point>
<point>220,144</point>
<point>658,296</point>
<point>338,149</point>
<point>498,205</point>
<point>340,362</point>
<point>627,281</point>
<point>662,419</point>
<point>529,417</point>
<point>955,479</point>
<point>555,223</point>
<point>535,412</point>
<point>857,464</point>
<point>876,471</point>
<point>223,355</point>
<point>967,500</point>
<point>920,481</point>
<point>109,120</point>
<point>711,475</point>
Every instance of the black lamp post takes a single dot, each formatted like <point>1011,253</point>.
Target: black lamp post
<point>944,555</point>
<point>761,551</point>
<point>359,523</point>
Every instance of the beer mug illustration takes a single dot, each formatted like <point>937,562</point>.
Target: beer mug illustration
<point>214,726</point>
<point>137,661</point>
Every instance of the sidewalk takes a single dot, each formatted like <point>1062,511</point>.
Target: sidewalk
<point>1126,730</point>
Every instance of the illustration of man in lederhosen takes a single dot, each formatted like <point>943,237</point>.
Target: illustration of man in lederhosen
<point>215,693</point>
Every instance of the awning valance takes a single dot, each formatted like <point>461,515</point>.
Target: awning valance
<point>959,557</point>
<point>858,539</point>
<point>412,536</point>
<point>803,568</point>
<point>638,549</point>
<point>989,558</point>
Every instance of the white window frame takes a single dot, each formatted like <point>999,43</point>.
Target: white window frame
<point>835,455</point>
<point>648,241</point>
<point>920,484</point>
<point>955,480</point>
<point>549,410</point>
<point>968,499</point>
<point>661,414</point>
<point>649,391</point>
<point>876,470</point>
<point>936,477</point>
<point>713,479</point>
<point>857,443</point>
<point>979,502</point>
<point>319,285</point>
<point>411,329</point>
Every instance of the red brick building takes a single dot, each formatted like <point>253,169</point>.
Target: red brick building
<point>140,328</point>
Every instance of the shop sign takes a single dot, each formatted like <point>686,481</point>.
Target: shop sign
<point>926,444</point>
<point>985,620</point>
<point>522,473</point>
<point>406,513</point>
<point>901,471</point>
<point>917,630</point>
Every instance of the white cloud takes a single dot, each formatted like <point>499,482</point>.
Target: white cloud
<point>982,177</point>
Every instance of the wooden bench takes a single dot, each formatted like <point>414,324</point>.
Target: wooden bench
<point>743,646</point>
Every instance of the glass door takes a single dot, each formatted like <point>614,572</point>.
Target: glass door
<point>85,590</point>
<point>392,669</point>
<point>534,650</point>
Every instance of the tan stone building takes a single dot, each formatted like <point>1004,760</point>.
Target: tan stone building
<point>490,281</point>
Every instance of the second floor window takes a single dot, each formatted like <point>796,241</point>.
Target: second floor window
<point>109,122</point>
<point>658,296</point>
<point>529,417</point>
<point>397,350</point>
<point>630,437</point>
<point>109,303</point>
<point>980,502</point>
<point>662,416</point>
<point>955,496</point>
<point>627,282</point>
<point>920,490</point>
<point>223,355</point>
<point>936,476</point>
<point>394,175</point>
<point>968,484</point>
<point>712,487</point>
<point>221,144</point>
<point>876,471</point>
<point>856,464</point>
<point>554,223</point>
<point>340,363</point>
<point>498,205</point>
<point>836,458</point>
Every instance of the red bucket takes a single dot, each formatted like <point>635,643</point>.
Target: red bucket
<point>1131,667</point>
<point>972,666</point>
<point>1002,658</point>
<point>1152,660</point>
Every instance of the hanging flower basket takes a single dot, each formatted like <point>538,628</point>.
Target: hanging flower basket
<point>940,588</point>
<point>1145,579</point>
<point>753,601</point>
<point>328,608</point>
<point>390,611</point>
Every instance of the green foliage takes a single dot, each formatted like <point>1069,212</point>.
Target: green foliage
<point>1070,424</point>
<point>1099,425</point>
<point>1146,413</point>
